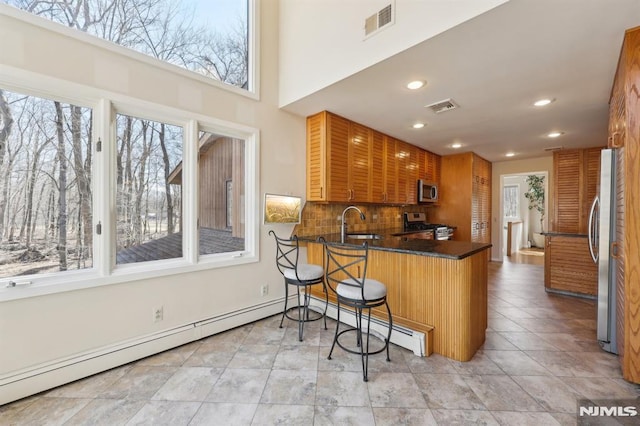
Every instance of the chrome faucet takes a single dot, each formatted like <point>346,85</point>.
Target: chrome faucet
<point>343,227</point>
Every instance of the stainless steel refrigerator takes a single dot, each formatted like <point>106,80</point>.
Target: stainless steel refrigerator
<point>602,234</point>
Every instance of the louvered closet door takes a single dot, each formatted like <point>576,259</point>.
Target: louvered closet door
<point>567,190</point>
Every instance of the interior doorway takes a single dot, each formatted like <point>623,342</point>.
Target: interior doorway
<point>519,224</point>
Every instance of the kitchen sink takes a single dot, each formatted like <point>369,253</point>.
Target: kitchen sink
<point>364,236</point>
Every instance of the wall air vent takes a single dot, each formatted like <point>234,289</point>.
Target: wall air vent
<point>442,106</point>
<point>378,20</point>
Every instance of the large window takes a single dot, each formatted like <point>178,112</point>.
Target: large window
<point>77,201</point>
<point>210,38</point>
<point>46,222</point>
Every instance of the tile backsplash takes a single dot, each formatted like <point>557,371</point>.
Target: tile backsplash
<point>320,218</point>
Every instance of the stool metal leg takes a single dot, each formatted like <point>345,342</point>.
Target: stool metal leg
<point>335,337</point>
<point>286,299</point>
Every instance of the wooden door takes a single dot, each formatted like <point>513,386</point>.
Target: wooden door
<point>316,158</point>
<point>337,166</point>
<point>358,163</point>
<point>566,169</point>
<point>455,198</point>
<point>377,175</point>
<point>411,166</point>
<point>390,171</point>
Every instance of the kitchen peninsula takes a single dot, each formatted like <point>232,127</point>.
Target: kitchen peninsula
<point>435,287</point>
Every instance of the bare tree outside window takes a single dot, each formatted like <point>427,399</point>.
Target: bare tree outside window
<point>45,186</point>
<point>511,201</point>
<point>148,206</point>
<point>168,30</point>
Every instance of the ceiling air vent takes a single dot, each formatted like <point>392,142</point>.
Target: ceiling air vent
<point>378,20</point>
<point>442,106</point>
<point>553,148</point>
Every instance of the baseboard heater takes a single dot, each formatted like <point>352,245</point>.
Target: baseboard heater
<point>38,378</point>
<point>409,339</point>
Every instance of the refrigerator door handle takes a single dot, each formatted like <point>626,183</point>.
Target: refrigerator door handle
<point>593,229</point>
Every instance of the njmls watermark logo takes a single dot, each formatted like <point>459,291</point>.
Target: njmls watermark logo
<point>608,412</point>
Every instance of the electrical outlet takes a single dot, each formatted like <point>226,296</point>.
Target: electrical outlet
<point>264,289</point>
<point>158,313</point>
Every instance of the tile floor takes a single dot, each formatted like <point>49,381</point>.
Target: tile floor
<point>540,356</point>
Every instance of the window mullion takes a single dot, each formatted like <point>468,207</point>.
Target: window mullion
<point>103,196</point>
<point>190,192</point>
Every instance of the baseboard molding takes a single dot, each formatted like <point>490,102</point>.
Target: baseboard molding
<point>30,381</point>
<point>409,339</point>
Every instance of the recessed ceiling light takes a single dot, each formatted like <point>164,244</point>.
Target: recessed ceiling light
<point>554,134</point>
<point>456,145</point>
<point>510,154</point>
<point>543,102</point>
<point>418,125</point>
<point>416,84</point>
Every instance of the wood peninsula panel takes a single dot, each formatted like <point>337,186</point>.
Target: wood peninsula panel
<point>568,265</point>
<point>427,292</point>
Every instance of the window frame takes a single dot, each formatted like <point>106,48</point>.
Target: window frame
<point>517,198</point>
<point>105,106</point>
<point>253,45</point>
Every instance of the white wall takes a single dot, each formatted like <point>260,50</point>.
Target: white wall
<point>513,167</point>
<point>43,330</point>
<point>322,41</point>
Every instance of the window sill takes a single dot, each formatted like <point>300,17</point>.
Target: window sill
<point>88,279</point>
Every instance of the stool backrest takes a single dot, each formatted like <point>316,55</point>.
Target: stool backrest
<point>346,263</point>
<point>287,250</point>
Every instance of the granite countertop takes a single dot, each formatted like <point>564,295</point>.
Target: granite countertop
<point>397,241</point>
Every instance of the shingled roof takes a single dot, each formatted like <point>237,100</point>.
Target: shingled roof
<point>170,247</point>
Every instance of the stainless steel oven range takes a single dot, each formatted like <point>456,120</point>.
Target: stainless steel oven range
<point>418,222</point>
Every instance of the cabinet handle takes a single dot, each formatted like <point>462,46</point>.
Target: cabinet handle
<point>615,252</point>
<point>612,140</point>
<point>321,192</point>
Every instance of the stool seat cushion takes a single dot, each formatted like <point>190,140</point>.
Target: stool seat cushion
<point>373,289</point>
<point>306,272</point>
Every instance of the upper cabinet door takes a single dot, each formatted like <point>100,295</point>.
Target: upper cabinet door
<point>316,158</point>
<point>359,163</point>
<point>377,178</point>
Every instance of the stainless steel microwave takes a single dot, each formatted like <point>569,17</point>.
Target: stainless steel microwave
<point>427,192</point>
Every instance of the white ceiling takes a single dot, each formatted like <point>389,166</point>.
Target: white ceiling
<point>495,66</point>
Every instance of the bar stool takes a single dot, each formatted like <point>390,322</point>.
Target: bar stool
<point>346,270</point>
<point>300,275</point>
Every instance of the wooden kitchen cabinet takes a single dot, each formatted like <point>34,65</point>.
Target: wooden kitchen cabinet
<point>624,135</point>
<point>576,175</point>
<point>428,166</point>
<point>327,152</point>
<point>465,196</point>
<point>407,158</point>
<point>338,159</point>
<point>569,267</point>
<point>351,163</point>
<point>359,170</point>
